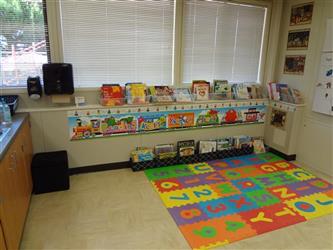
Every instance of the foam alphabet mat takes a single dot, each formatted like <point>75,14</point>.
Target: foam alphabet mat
<point>222,201</point>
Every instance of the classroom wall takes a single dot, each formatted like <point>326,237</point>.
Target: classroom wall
<point>50,131</point>
<point>315,144</point>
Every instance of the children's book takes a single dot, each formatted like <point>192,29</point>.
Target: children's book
<point>142,154</point>
<point>258,146</point>
<point>207,146</point>
<point>200,89</point>
<point>164,151</point>
<point>182,95</point>
<point>222,89</point>
<point>241,91</point>
<point>224,143</point>
<point>135,93</point>
<point>186,148</point>
<point>112,94</point>
<point>161,94</point>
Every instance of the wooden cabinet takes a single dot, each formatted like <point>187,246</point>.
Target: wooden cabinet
<point>2,239</point>
<point>15,187</point>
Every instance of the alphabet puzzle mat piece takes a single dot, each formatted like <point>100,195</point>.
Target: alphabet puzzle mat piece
<point>311,206</point>
<point>217,231</point>
<point>188,196</point>
<point>271,217</point>
<point>168,172</point>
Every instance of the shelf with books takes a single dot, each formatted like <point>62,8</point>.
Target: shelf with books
<point>196,158</point>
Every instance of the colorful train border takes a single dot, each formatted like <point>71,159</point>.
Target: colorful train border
<point>105,122</point>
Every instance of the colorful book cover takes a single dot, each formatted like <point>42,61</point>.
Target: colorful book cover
<point>186,148</point>
<point>201,91</point>
<point>162,94</point>
<point>222,89</point>
<point>207,147</point>
<point>182,95</point>
<point>136,93</point>
<point>181,120</point>
<point>112,94</point>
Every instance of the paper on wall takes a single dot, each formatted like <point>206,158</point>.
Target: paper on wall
<point>328,43</point>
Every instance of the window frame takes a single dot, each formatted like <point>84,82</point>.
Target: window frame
<point>56,47</point>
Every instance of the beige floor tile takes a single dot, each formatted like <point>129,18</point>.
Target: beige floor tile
<point>120,209</point>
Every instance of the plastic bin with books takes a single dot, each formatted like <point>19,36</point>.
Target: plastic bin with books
<point>112,95</point>
<point>136,93</point>
<point>221,90</point>
<point>281,92</point>
<point>182,95</point>
<point>161,94</point>
<point>200,90</point>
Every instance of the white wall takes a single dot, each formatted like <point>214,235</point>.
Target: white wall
<point>315,145</point>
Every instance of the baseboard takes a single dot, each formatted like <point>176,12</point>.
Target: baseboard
<point>283,155</point>
<point>98,168</point>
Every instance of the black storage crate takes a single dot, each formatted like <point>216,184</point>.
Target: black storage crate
<point>12,101</point>
<point>137,166</point>
<point>50,172</point>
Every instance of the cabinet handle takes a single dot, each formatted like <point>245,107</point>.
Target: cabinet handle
<point>13,161</point>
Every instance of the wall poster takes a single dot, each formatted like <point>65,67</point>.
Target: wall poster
<point>104,122</point>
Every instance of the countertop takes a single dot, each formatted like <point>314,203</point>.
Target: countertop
<point>17,122</point>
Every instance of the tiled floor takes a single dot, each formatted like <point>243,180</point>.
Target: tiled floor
<point>120,210</point>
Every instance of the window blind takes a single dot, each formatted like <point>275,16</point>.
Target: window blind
<point>111,41</point>
<point>222,41</point>
<point>24,44</point>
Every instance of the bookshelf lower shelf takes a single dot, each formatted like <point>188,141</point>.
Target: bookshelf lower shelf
<point>137,166</point>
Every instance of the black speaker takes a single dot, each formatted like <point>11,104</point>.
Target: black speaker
<point>34,87</point>
<point>58,78</point>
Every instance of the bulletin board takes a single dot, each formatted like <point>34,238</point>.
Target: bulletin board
<point>105,122</point>
<point>323,94</point>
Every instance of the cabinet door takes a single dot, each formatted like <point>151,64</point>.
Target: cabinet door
<point>2,239</point>
<point>9,196</point>
<point>26,147</point>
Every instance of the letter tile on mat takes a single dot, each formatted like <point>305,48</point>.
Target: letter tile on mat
<point>166,185</point>
<point>188,196</point>
<point>262,197</point>
<point>246,185</point>
<point>312,206</point>
<point>240,172</point>
<point>200,168</point>
<point>300,174</point>
<point>316,185</point>
<point>283,192</point>
<point>270,167</point>
<point>225,189</point>
<point>228,205</point>
<point>200,179</point>
<point>188,214</point>
<point>167,172</point>
<point>215,232</point>
<point>269,157</point>
<point>219,164</point>
<point>269,218</point>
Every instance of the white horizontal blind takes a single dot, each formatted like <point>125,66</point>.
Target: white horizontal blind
<point>111,41</point>
<point>24,45</point>
<point>222,41</point>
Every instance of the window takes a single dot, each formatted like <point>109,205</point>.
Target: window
<point>222,41</point>
<point>118,41</point>
<point>23,41</point>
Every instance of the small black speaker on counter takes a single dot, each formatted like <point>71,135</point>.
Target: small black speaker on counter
<point>58,78</point>
<point>34,87</point>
